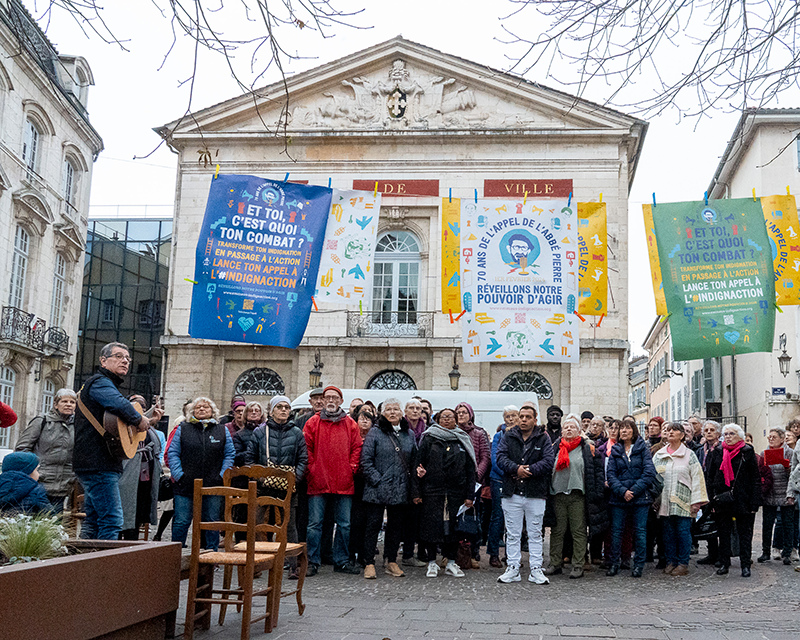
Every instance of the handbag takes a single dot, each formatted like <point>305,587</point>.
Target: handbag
<point>274,482</point>
<point>165,488</point>
<point>705,527</point>
<point>464,555</point>
<point>656,490</point>
<point>468,525</point>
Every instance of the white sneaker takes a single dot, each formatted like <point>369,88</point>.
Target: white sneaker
<point>433,570</point>
<point>794,557</point>
<point>776,554</point>
<point>453,569</point>
<point>511,574</point>
<point>537,576</point>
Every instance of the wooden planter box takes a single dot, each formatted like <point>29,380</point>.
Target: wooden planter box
<point>120,590</point>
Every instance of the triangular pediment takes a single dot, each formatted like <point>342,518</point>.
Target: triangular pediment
<point>401,85</point>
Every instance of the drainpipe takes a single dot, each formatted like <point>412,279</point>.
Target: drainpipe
<point>734,402</point>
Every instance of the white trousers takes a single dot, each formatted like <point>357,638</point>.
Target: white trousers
<point>515,509</point>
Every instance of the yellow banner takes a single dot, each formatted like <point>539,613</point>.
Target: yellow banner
<point>655,265</point>
<point>451,255</point>
<point>780,216</point>
<point>592,260</point>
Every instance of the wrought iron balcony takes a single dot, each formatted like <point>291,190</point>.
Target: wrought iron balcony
<point>22,328</point>
<point>57,340</point>
<point>390,324</point>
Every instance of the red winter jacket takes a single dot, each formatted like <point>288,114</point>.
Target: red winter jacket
<point>334,451</point>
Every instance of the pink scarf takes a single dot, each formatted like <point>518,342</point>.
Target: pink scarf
<point>729,452</point>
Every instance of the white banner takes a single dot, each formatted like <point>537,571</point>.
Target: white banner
<point>345,269</point>
<point>519,275</point>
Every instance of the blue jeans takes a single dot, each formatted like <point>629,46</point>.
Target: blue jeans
<point>497,522</point>
<point>341,516</point>
<point>618,517</point>
<point>211,511</point>
<point>677,539</point>
<point>102,505</point>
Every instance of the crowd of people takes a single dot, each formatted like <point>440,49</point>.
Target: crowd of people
<point>433,485</point>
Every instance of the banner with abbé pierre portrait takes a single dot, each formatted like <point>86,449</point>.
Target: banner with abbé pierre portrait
<point>717,271</point>
<point>519,288</point>
<point>257,259</point>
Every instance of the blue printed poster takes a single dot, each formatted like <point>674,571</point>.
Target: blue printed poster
<point>257,260</point>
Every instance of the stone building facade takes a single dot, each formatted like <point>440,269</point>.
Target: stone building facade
<point>47,148</point>
<point>422,125</point>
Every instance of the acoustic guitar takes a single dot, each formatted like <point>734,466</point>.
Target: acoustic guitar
<point>122,439</point>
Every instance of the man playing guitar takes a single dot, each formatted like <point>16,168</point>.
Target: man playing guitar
<point>93,463</point>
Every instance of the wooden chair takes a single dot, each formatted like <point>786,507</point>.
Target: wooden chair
<point>250,561</point>
<point>293,549</point>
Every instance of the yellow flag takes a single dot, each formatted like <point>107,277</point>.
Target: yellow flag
<point>592,261</point>
<point>451,255</point>
<point>780,216</point>
<point>655,265</point>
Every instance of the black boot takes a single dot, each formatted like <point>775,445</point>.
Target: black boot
<point>722,570</point>
<point>613,570</point>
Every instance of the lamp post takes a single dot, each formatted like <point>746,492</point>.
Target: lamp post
<point>315,375</point>
<point>784,360</point>
<point>454,374</point>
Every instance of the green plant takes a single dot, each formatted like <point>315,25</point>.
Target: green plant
<point>26,538</point>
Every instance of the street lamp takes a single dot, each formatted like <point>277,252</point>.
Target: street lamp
<point>315,375</point>
<point>784,360</point>
<point>455,374</point>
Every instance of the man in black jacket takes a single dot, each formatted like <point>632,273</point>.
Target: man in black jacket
<point>97,469</point>
<point>525,456</point>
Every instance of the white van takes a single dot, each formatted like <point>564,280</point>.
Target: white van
<point>488,405</point>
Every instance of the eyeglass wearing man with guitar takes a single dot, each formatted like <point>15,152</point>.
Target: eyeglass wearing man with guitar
<point>108,429</point>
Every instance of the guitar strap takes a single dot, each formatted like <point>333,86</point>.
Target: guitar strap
<point>87,414</point>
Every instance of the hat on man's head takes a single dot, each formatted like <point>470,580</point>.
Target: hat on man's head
<point>276,399</point>
<point>587,415</point>
<point>554,407</point>
<point>330,387</point>
<point>315,392</point>
<point>22,461</point>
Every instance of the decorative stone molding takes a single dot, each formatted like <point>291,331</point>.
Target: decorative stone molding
<point>33,209</point>
<point>395,217</point>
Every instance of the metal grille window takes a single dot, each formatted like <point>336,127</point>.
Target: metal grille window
<point>7,381</point>
<point>395,280</point>
<point>19,268</point>
<point>48,395</point>
<point>528,381</point>
<point>57,302</point>
<point>259,382</point>
<point>392,379</point>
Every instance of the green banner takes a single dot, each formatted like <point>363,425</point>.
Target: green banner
<point>716,265</point>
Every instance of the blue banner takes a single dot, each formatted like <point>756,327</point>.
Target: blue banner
<point>257,260</point>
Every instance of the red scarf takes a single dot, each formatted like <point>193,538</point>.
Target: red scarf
<point>729,453</point>
<point>563,451</point>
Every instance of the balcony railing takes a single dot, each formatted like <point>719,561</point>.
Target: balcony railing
<point>390,324</point>
<point>57,340</point>
<point>22,328</point>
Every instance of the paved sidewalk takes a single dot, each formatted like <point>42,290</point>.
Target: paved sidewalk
<point>701,606</point>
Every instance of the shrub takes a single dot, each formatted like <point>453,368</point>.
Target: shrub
<point>26,538</point>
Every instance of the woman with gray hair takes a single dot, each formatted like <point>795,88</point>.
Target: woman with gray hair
<point>733,483</point>
<point>201,448</point>
<point>51,437</point>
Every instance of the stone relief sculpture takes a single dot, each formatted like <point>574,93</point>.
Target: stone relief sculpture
<point>402,102</point>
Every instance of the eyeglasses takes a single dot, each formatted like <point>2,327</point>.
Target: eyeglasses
<point>331,398</point>
<point>121,356</point>
<point>281,407</point>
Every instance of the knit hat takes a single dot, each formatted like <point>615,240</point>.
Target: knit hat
<point>276,399</point>
<point>22,461</point>
<point>587,415</point>
<point>315,392</point>
<point>554,407</point>
<point>237,403</point>
<point>7,415</point>
<point>330,387</point>
<point>658,419</point>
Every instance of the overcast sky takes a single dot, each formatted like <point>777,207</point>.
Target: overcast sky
<point>132,95</point>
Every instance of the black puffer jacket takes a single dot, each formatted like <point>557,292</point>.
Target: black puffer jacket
<point>241,439</point>
<point>594,489</point>
<point>386,471</point>
<point>286,446</point>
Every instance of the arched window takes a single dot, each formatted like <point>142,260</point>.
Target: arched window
<point>59,277</point>
<point>395,280</point>
<point>7,381</point>
<point>31,142</point>
<point>391,379</point>
<point>19,267</point>
<point>48,394</point>
<point>259,382</point>
<point>528,381</point>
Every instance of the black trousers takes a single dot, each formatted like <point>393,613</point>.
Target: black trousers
<point>786,525</point>
<point>411,532</point>
<point>394,530</point>
<point>358,527</point>
<point>744,527</point>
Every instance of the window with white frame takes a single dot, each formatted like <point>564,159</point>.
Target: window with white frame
<point>19,267</point>
<point>48,395</point>
<point>56,304</point>
<point>31,143</point>
<point>7,380</point>
<point>395,281</point>
<point>70,182</point>
<point>108,310</point>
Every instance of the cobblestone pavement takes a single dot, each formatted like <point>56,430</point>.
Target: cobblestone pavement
<point>701,606</point>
